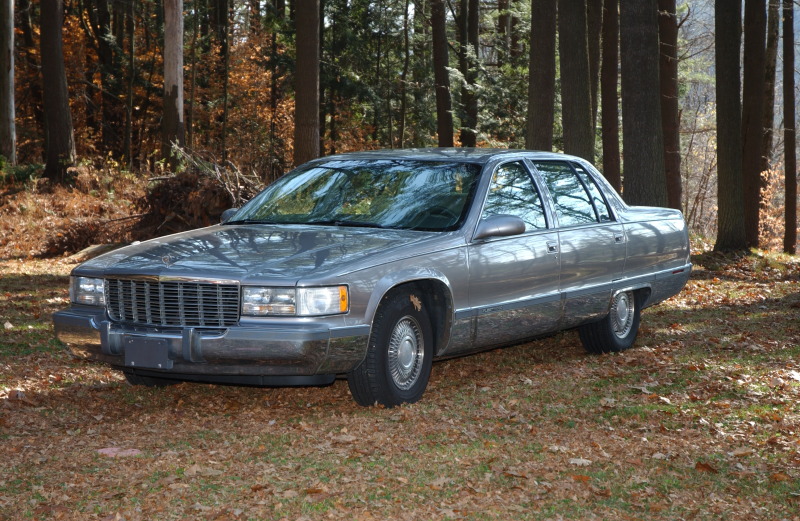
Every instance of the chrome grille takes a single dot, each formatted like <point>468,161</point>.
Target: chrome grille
<point>161,303</point>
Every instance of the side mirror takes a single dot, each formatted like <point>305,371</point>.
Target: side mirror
<point>499,226</point>
<point>227,214</point>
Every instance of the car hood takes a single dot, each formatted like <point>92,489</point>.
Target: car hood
<point>262,252</point>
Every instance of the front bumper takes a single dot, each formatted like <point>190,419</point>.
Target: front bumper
<point>269,354</point>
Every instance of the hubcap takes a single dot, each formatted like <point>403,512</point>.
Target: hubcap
<point>406,351</point>
<point>622,313</point>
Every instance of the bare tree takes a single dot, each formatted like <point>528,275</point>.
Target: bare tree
<point>8,147</point>
<point>642,137</point>
<point>306,116</point>
<point>789,137</point>
<point>59,135</point>
<point>730,196</point>
<point>542,76</point>
<point>173,130</point>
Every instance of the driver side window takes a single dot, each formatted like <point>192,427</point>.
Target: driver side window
<point>512,192</point>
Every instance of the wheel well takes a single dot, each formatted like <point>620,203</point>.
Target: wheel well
<point>436,299</point>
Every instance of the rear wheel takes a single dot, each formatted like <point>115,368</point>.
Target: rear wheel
<point>398,363</point>
<point>617,331</point>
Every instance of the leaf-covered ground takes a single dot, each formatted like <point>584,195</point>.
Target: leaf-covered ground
<point>699,421</point>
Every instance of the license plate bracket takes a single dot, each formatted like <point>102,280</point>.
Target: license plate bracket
<point>146,352</point>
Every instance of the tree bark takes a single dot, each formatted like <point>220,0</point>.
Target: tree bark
<point>441,78</point>
<point>670,114</point>
<point>8,138</point>
<point>306,117</point>
<point>470,10</point>
<point>542,76</point>
<point>730,196</point>
<point>755,24</point>
<point>594,25</point>
<point>642,137</point>
<point>576,98</point>
<point>609,74</point>
<point>771,58</point>
<point>789,137</point>
<point>59,137</point>
<point>173,130</point>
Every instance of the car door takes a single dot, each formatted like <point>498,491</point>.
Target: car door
<point>513,281</point>
<point>591,242</point>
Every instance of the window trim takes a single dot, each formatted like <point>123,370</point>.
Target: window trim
<point>550,218</point>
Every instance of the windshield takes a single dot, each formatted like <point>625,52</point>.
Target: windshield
<point>414,195</point>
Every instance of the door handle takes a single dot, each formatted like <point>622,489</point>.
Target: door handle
<point>619,238</point>
<point>552,247</point>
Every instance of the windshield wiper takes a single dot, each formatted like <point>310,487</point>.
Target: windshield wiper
<point>352,224</point>
<point>250,221</point>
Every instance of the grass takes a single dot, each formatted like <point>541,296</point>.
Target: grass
<point>699,421</point>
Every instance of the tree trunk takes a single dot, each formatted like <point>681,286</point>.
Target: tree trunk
<point>789,138</point>
<point>771,59</point>
<point>609,74</point>
<point>576,98</point>
<point>642,137</point>
<point>30,57</point>
<point>59,137</point>
<point>401,127</point>
<point>173,130</point>
<point>755,25</point>
<point>8,139</point>
<point>730,196</point>
<point>306,117</point>
<point>670,115</point>
<point>130,28</point>
<point>594,24</point>
<point>469,15</point>
<point>542,76</point>
<point>441,78</point>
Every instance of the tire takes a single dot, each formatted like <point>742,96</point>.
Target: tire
<point>147,381</point>
<point>617,331</point>
<point>397,366</point>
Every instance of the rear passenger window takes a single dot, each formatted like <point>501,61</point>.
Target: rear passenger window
<point>572,202</point>
<point>512,192</point>
<point>594,191</point>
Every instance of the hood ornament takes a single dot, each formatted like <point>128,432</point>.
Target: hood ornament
<point>168,260</point>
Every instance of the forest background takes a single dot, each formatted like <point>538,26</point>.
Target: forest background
<point>173,111</point>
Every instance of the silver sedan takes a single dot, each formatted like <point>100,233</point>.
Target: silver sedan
<point>372,265</point>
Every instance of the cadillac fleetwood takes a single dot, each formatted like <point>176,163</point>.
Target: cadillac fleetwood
<point>372,265</point>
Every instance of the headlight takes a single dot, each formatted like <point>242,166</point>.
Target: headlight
<point>261,301</point>
<point>88,291</point>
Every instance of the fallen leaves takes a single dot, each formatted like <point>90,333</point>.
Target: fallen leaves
<point>119,452</point>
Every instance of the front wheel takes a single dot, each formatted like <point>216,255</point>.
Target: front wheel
<point>399,356</point>
<point>617,331</point>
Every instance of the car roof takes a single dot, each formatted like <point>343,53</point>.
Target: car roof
<point>467,155</point>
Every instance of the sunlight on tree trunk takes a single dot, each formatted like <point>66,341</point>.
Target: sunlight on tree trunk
<point>173,125</point>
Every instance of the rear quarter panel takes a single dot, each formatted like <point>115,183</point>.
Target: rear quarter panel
<point>658,251</point>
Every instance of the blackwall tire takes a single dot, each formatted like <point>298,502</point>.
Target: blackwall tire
<point>397,367</point>
<point>617,331</point>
